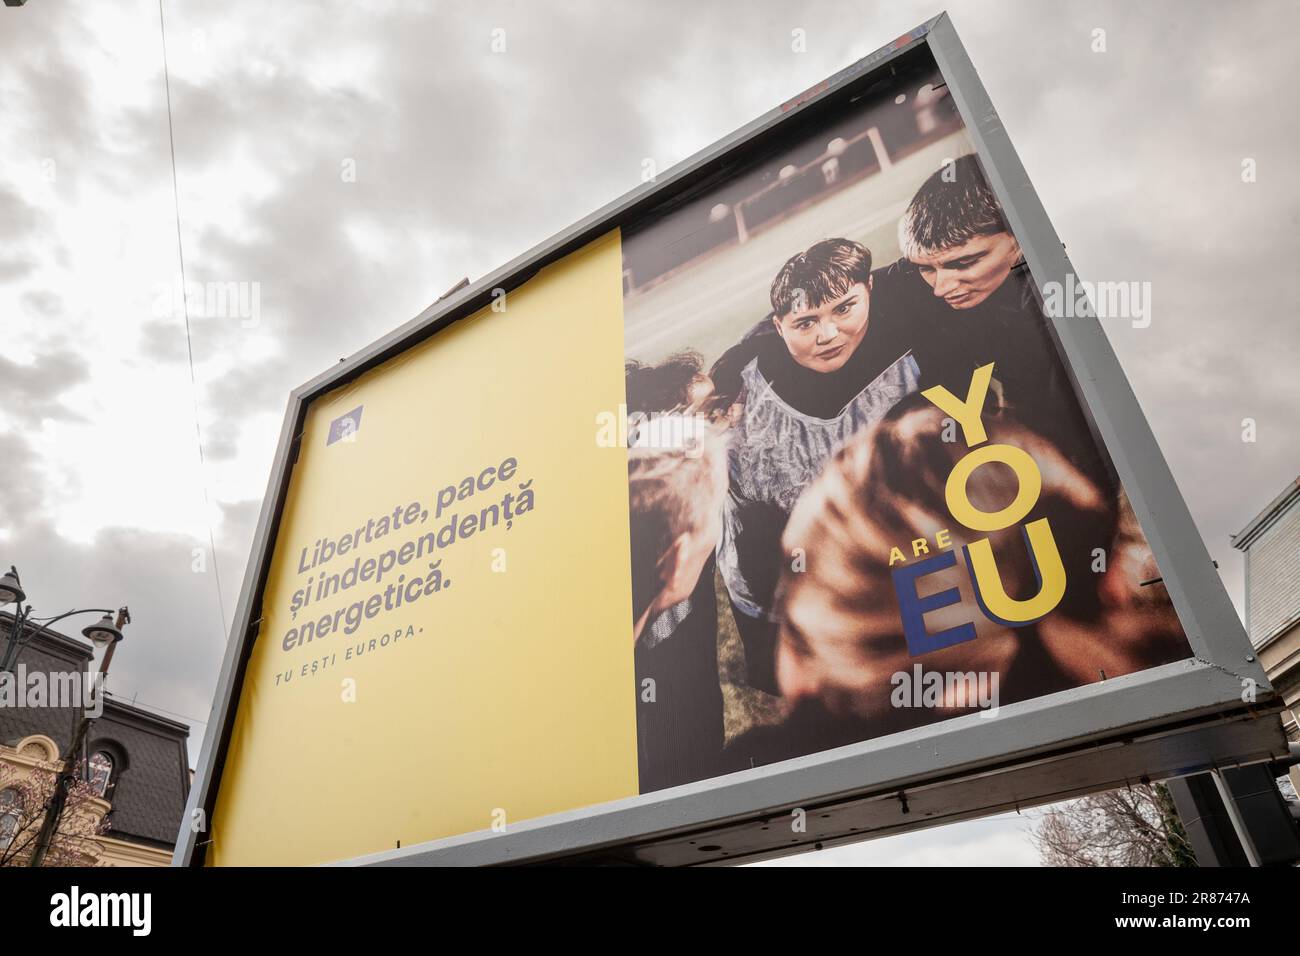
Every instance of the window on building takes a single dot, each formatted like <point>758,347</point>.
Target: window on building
<point>101,772</point>
<point>11,808</point>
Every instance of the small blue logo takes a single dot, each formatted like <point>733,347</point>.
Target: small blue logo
<point>345,427</point>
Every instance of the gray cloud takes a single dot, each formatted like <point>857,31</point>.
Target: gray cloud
<point>20,483</point>
<point>42,302</point>
<point>29,393</point>
<point>43,58</point>
<point>163,340</point>
<point>17,218</point>
<point>18,221</point>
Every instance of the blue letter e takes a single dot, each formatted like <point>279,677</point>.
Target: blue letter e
<point>913,608</point>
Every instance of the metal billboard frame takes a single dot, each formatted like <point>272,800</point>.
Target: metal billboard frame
<point>1170,720</point>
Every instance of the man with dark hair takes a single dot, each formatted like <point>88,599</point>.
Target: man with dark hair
<point>961,297</point>
<point>826,373</point>
<point>954,234</point>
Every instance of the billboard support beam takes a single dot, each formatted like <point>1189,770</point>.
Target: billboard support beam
<point>1236,817</point>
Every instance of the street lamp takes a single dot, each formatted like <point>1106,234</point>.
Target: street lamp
<point>11,592</point>
<point>105,635</point>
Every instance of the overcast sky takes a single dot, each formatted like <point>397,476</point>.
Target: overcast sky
<point>465,157</point>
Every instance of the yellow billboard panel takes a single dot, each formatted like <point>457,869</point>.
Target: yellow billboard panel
<point>412,678</point>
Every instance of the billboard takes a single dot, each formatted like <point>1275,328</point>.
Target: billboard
<point>917,520</point>
<point>784,482</point>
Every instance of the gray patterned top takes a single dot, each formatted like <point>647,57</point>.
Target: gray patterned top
<point>775,452</point>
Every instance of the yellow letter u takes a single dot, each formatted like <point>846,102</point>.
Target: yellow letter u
<point>992,596</point>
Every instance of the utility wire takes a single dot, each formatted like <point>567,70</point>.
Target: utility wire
<point>154,707</point>
<point>189,341</point>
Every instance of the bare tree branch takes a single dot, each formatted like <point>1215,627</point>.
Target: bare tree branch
<point>1137,826</point>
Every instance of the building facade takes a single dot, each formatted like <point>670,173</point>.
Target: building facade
<point>134,769</point>
<point>1271,544</point>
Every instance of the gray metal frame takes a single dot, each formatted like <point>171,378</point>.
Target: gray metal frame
<point>1183,702</point>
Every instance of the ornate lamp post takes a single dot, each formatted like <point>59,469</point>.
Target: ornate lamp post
<point>104,634</point>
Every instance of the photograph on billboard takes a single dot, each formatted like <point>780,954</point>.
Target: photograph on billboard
<point>840,373</point>
<point>786,463</point>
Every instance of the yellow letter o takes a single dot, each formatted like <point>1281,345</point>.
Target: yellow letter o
<point>1029,479</point>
